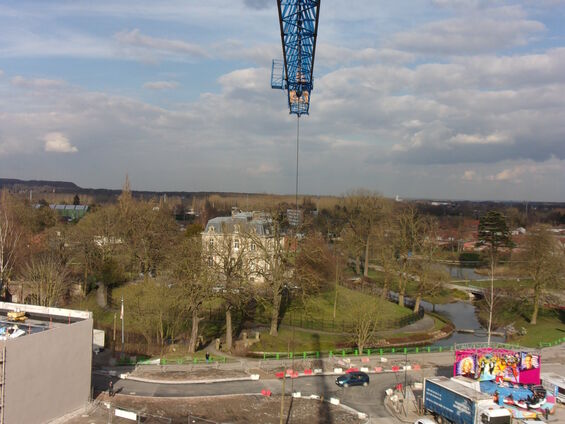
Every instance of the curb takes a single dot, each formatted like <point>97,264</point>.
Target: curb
<point>252,378</point>
<point>217,380</point>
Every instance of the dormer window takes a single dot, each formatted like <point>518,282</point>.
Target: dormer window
<point>236,244</point>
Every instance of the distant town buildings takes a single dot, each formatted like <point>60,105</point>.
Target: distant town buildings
<point>70,212</point>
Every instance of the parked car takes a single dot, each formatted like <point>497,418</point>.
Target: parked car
<point>352,379</point>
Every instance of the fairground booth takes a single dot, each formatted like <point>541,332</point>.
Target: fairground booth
<point>510,374</point>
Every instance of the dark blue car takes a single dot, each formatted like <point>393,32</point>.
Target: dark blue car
<point>353,379</point>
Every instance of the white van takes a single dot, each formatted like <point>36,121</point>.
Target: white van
<point>554,384</point>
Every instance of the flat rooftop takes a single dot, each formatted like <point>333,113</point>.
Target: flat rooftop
<point>37,319</point>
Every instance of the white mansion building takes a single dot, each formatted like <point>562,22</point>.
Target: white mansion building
<point>245,236</point>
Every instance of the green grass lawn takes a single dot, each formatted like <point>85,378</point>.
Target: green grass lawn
<point>296,340</point>
<point>549,328</point>
<point>321,307</point>
<point>440,297</point>
<point>550,324</point>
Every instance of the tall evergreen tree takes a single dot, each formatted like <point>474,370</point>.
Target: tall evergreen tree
<point>493,233</point>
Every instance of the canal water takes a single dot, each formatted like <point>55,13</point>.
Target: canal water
<point>462,314</point>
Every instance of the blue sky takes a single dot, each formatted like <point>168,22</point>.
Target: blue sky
<point>460,99</point>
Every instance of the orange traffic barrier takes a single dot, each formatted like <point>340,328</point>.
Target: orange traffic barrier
<point>279,374</point>
<point>266,392</point>
<point>395,368</point>
<point>416,367</point>
<point>307,372</point>
<point>378,369</point>
<point>347,371</point>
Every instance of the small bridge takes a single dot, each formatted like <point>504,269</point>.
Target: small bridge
<point>480,332</point>
<point>474,290</point>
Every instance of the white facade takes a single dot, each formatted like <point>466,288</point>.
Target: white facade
<point>246,237</point>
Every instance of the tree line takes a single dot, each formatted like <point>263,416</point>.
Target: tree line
<point>170,276</point>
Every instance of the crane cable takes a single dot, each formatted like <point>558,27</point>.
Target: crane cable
<point>297,148</point>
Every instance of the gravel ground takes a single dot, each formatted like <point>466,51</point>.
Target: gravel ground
<point>228,409</point>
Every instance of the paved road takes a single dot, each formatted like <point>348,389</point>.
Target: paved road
<point>369,400</point>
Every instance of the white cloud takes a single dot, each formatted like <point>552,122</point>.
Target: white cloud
<point>160,85</point>
<point>393,114</point>
<point>531,170</point>
<point>470,175</point>
<point>160,46</point>
<point>59,143</point>
<point>495,138</point>
<point>38,83</point>
<point>485,31</point>
<point>262,169</point>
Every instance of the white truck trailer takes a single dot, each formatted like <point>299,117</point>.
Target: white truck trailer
<point>452,402</point>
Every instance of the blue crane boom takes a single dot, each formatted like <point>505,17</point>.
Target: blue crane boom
<point>298,21</point>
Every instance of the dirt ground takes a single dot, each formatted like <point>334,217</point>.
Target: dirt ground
<point>190,375</point>
<point>228,409</point>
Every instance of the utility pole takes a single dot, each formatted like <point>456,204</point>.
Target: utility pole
<point>282,397</point>
<point>122,318</point>
<point>114,338</point>
<point>405,377</point>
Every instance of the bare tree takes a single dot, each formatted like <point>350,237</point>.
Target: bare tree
<point>314,266</point>
<point>386,252</point>
<point>406,228</point>
<point>272,259</point>
<point>493,233</point>
<point>543,261</point>
<point>229,265</point>
<point>366,319</point>
<point>47,279</point>
<point>429,278</point>
<point>9,238</point>
<point>365,210</point>
<point>153,308</point>
<point>191,275</point>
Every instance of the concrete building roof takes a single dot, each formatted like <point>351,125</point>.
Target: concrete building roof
<point>37,319</point>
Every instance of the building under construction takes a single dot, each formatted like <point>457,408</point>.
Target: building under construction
<point>45,362</point>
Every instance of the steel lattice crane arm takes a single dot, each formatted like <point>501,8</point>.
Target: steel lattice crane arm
<point>299,28</point>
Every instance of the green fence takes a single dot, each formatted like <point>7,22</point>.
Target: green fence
<point>553,343</point>
<point>355,352</point>
<point>304,321</point>
<point>132,360</point>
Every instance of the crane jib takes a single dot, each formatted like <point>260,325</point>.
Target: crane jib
<point>298,21</point>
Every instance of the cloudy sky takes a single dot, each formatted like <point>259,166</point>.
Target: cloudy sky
<point>450,99</point>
